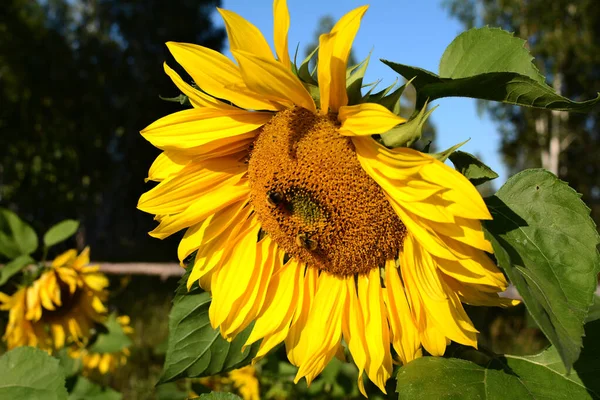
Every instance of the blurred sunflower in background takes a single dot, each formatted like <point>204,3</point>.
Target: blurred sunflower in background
<point>104,362</point>
<point>301,221</point>
<point>61,306</point>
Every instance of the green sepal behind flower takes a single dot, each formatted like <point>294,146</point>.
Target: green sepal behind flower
<point>408,133</point>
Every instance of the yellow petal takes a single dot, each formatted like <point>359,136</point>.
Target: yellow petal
<point>343,33</point>
<point>233,278</point>
<point>326,42</point>
<point>211,202</point>
<point>273,80</point>
<point>64,258</point>
<point>354,331</point>
<point>479,295</point>
<point>367,119</point>
<point>200,234</point>
<point>281,18</point>
<point>253,295</point>
<point>278,308</point>
<point>379,358</point>
<point>192,128</point>
<point>244,36</point>
<point>214,73</point>
<point>213,254</point>
<point>325,321</point>
<point>176,194</point>
<point>196,97</point>
<point>297,338</point>
<point>165,165</point>
<point>405,335</point>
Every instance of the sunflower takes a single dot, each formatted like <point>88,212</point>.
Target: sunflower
<point>302,222</point>
<point>103,363</point>
<point>61,306</point>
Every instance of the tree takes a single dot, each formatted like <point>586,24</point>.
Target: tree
<point>564,37</point>
<point>80,80</point>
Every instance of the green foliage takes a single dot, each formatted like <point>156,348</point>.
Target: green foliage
<point>14,267</point>
<point>70,366</point>
<point>219,396</point>
<point>541,376</point>
<point>471,167</point>
<point>488,64</point>
<point>27,373</point>
<point>546,243</point>
<point>409,132</point>
<point>60,232</point>
<point>195,349</point>
<point>113,340</point>
<point>17,237</point>
<point>84,389</point>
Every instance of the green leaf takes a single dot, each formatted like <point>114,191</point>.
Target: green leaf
<point>113,340</point>
<point>484,50</point>
<point>545,240</point>
<point>61,231</point>
<point>219,396</point>
<point>489,64</point>
<point>541,376</point>
<point>14,267</point>
<point>473,169</point>
<point>409,132</point>
<point>594,312</point>
<point>85,389</point>
<point>27,373</point>
<point>196,349</point>
<point>171,391</point>
<point>16,236</point>
<point>70,366</point>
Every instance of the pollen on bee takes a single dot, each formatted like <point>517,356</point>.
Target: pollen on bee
<point>313,198</point>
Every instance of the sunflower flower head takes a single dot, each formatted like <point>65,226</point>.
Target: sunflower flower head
<point>301,222</point>
<point>61,306</point>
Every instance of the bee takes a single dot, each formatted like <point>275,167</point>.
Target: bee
<point>274,198</point>
<point>304,240</point>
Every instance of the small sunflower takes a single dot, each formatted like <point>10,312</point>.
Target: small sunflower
<point>302,222</point>
<point>103,363</point>
<point>61,306</point>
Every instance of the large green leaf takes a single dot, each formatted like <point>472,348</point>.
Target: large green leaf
<point>489,64</point>
<point>541,376</point>
<point>484,50</point>
<point>545,240</point>
<point>196,349</point>
<point>61,231</point>
<point>14,267</point>
<point>27,373</point>
<point>84,389</point>
<point>16,236</point>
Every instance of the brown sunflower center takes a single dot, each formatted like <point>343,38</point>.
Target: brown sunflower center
<point>68,303</point>
<point>313,198</point>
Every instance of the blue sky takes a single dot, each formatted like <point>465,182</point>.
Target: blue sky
<point>409,32</point>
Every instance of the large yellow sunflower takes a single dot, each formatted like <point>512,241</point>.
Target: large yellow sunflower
<point>302,222</point>
<point>59,307</point>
